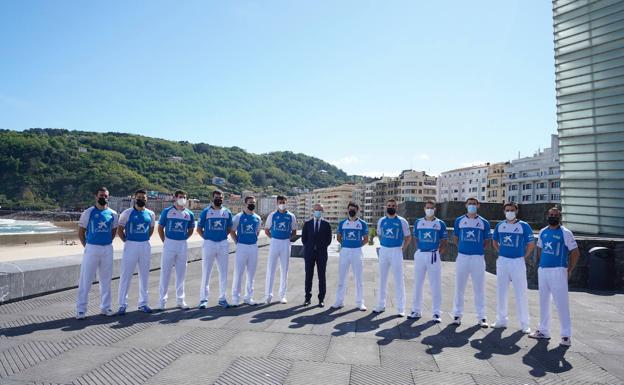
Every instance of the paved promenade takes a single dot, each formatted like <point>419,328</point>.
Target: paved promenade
<point>42,343</point>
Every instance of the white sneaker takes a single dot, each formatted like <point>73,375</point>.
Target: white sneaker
<point>362,308</point>
<point>566,341</point>
<point>107,312</point>
<point>379,309</point>
<point>283,300</point>
<point>81,315</point>
<point>483,323</point>
<point>526,330</point>
<point>401,314</point>
<point>436,318</point>
<point>183,306</point>
<point>337,306</point>
<point>498,325</point>
<point>538,335</point>
<point>250,302</point>
<point>414,315</point>
<point>268,299</point>
<point>456,320</point>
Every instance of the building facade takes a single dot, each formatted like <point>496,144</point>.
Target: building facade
<point>589,58</point>
<point>535,179</point>
<point>463,183</point>
<point>334,201</point>
<point>495,189</point>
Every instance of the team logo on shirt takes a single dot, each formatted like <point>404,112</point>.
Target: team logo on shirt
<point>215,225</point>
<point>178,226</point>
<point>351,236</point>
<point>507,240</point>
<point>548,246</point>
<point>140,228</point>
<point>101,226</point>
<point>281,225</point>
<point>470,235</point>
<point>427,235</point>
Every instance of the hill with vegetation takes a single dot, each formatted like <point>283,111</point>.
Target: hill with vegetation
<point>57,168</point>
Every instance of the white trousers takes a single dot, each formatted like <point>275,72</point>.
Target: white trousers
<point>473,266</point>
<point>350,257</point>
<point>427,263</point>
<point>511,270</point>
<point>174,255</point>
<point>96,259</point>
<point>135,253</point>
<point>246,260</point>
<point>214,252</point>
<point>553,283</point>
<point>391,258</point>
<point>279,249</point>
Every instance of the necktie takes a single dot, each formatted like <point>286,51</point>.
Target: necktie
<point>316,226</point>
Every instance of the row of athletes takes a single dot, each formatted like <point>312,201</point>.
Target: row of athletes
<point>512,238</point>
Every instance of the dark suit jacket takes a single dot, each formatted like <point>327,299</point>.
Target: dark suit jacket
<point>316,244</point>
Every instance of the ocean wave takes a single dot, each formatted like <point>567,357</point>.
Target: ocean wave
<point>20,227</point>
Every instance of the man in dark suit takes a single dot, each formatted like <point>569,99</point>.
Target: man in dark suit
<point>316,237</point>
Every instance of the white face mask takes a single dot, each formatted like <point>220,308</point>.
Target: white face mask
<point>181,202</point>
<point>510,215</point>
<point>429,212</point>
<point>281,207</point>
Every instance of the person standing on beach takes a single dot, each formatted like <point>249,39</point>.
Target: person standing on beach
<point>96,230</point>
<point>136,226</point>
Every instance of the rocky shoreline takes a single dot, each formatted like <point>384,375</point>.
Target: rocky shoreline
<point>51,216</point>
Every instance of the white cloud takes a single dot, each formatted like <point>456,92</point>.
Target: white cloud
<point>423,157</point>
<point>346,160</point>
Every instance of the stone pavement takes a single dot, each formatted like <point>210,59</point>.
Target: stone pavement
<point>42,343</point>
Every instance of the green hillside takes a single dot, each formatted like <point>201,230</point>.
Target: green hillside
<point>57,168</point>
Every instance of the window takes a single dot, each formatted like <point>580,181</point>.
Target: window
<point>541,185</point>
<point>526,198</point>
<point>527,186</point>
<point>513,187</point>
<point>555,184</point>
<point>494,193</point>
<point>540,197</point>
<point>482,188</point>
<point>555,197</point>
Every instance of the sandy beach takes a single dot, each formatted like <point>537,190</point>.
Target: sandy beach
<point>49,245</point>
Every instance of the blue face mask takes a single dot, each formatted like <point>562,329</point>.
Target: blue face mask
<point>317,214</point>
<point>472,209</point>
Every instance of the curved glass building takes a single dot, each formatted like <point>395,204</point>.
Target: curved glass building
<point>589,61</point>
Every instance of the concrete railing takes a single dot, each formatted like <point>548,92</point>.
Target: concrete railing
<point>34,277</point>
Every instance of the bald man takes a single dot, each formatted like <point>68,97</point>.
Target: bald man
<point>316,237</point>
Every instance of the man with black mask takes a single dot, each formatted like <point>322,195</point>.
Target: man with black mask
<point>214,225</point>
<point>557,254</point>
<point>96,230</point>
<point>246,226</point>
<point>136,226</point>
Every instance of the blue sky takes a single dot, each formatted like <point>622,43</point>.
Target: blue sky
<point>371,86</point>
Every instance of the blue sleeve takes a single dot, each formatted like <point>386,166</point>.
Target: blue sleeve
<point>528,233</point>
<point>456,227</point>
<point>163,218</point>
<point>192,220</point>
<point>228,224</point>
<point>495,235</point>
<point>202,219</point>
<point>487,230</point>
<point>415,230</point>
<point>443,232</point>
<point>339,230</point>
<point>365,228</point>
